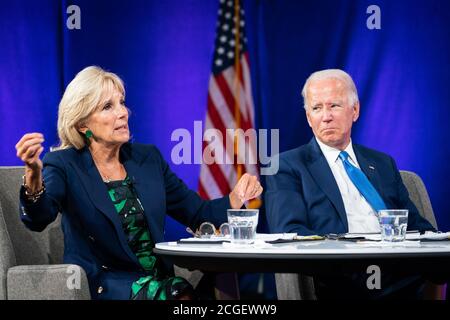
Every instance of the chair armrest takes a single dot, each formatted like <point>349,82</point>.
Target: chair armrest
<point>47,282</point>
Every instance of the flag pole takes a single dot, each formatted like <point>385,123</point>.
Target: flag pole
<point>254,203</point>
<point>237,77</point>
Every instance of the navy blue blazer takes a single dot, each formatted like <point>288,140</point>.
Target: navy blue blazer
<point>303,197</point>
<point>93,234</point>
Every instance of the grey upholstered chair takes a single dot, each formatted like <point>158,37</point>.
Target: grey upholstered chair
<point>293,286</point>
<point>30,262</point>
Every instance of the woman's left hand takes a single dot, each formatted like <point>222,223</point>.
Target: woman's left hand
<point>247,188</point>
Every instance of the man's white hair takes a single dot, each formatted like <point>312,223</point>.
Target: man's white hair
<point>332,74</point>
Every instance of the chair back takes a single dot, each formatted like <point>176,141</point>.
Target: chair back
<point>30,248</point>
<point>419,195</point>
<point>7,256</point>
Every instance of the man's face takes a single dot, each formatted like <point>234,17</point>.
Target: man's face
<point>329,112</point>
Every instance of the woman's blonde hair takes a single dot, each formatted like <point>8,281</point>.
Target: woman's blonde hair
<point>81,98</point>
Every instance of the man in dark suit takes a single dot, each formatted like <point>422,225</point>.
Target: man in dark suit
<point>331,185</point>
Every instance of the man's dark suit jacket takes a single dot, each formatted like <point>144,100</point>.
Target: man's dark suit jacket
<point>303,197</point>
<point>93,234</point>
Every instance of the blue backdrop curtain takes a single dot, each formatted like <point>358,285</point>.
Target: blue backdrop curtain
<point>163,52</point>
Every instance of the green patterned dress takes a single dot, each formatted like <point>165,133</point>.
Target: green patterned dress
<point>154,286</point>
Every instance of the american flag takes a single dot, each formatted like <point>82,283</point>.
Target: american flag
<point>230,103</point>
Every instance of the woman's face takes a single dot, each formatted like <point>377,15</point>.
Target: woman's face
<point>109,123</point>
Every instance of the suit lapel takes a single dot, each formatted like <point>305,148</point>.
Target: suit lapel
<point>369,168</point>
<point>147,189</point>
<point>321,173</point>
<point>99,196</point>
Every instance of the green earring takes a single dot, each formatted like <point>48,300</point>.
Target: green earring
<point>89,134</point>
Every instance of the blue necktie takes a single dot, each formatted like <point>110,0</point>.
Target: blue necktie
<point>363,184</point>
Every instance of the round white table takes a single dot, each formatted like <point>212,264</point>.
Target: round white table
<point>309,257</point>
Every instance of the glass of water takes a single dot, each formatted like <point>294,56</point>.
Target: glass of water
<point>393,224</point>
<point>242,224</point>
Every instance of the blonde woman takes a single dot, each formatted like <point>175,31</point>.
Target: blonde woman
<point>113,194</point>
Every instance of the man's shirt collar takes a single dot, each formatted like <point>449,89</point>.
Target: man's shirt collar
<point>332,154</point>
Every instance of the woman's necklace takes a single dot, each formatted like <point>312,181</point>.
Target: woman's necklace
<point>107,177</point>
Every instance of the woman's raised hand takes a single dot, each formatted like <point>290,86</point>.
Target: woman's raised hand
<point>29,148</point>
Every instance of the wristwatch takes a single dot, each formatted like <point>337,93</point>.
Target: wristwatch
<point>33,197</point>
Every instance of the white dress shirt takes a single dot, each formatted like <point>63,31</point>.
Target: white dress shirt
<point>360,215</point>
